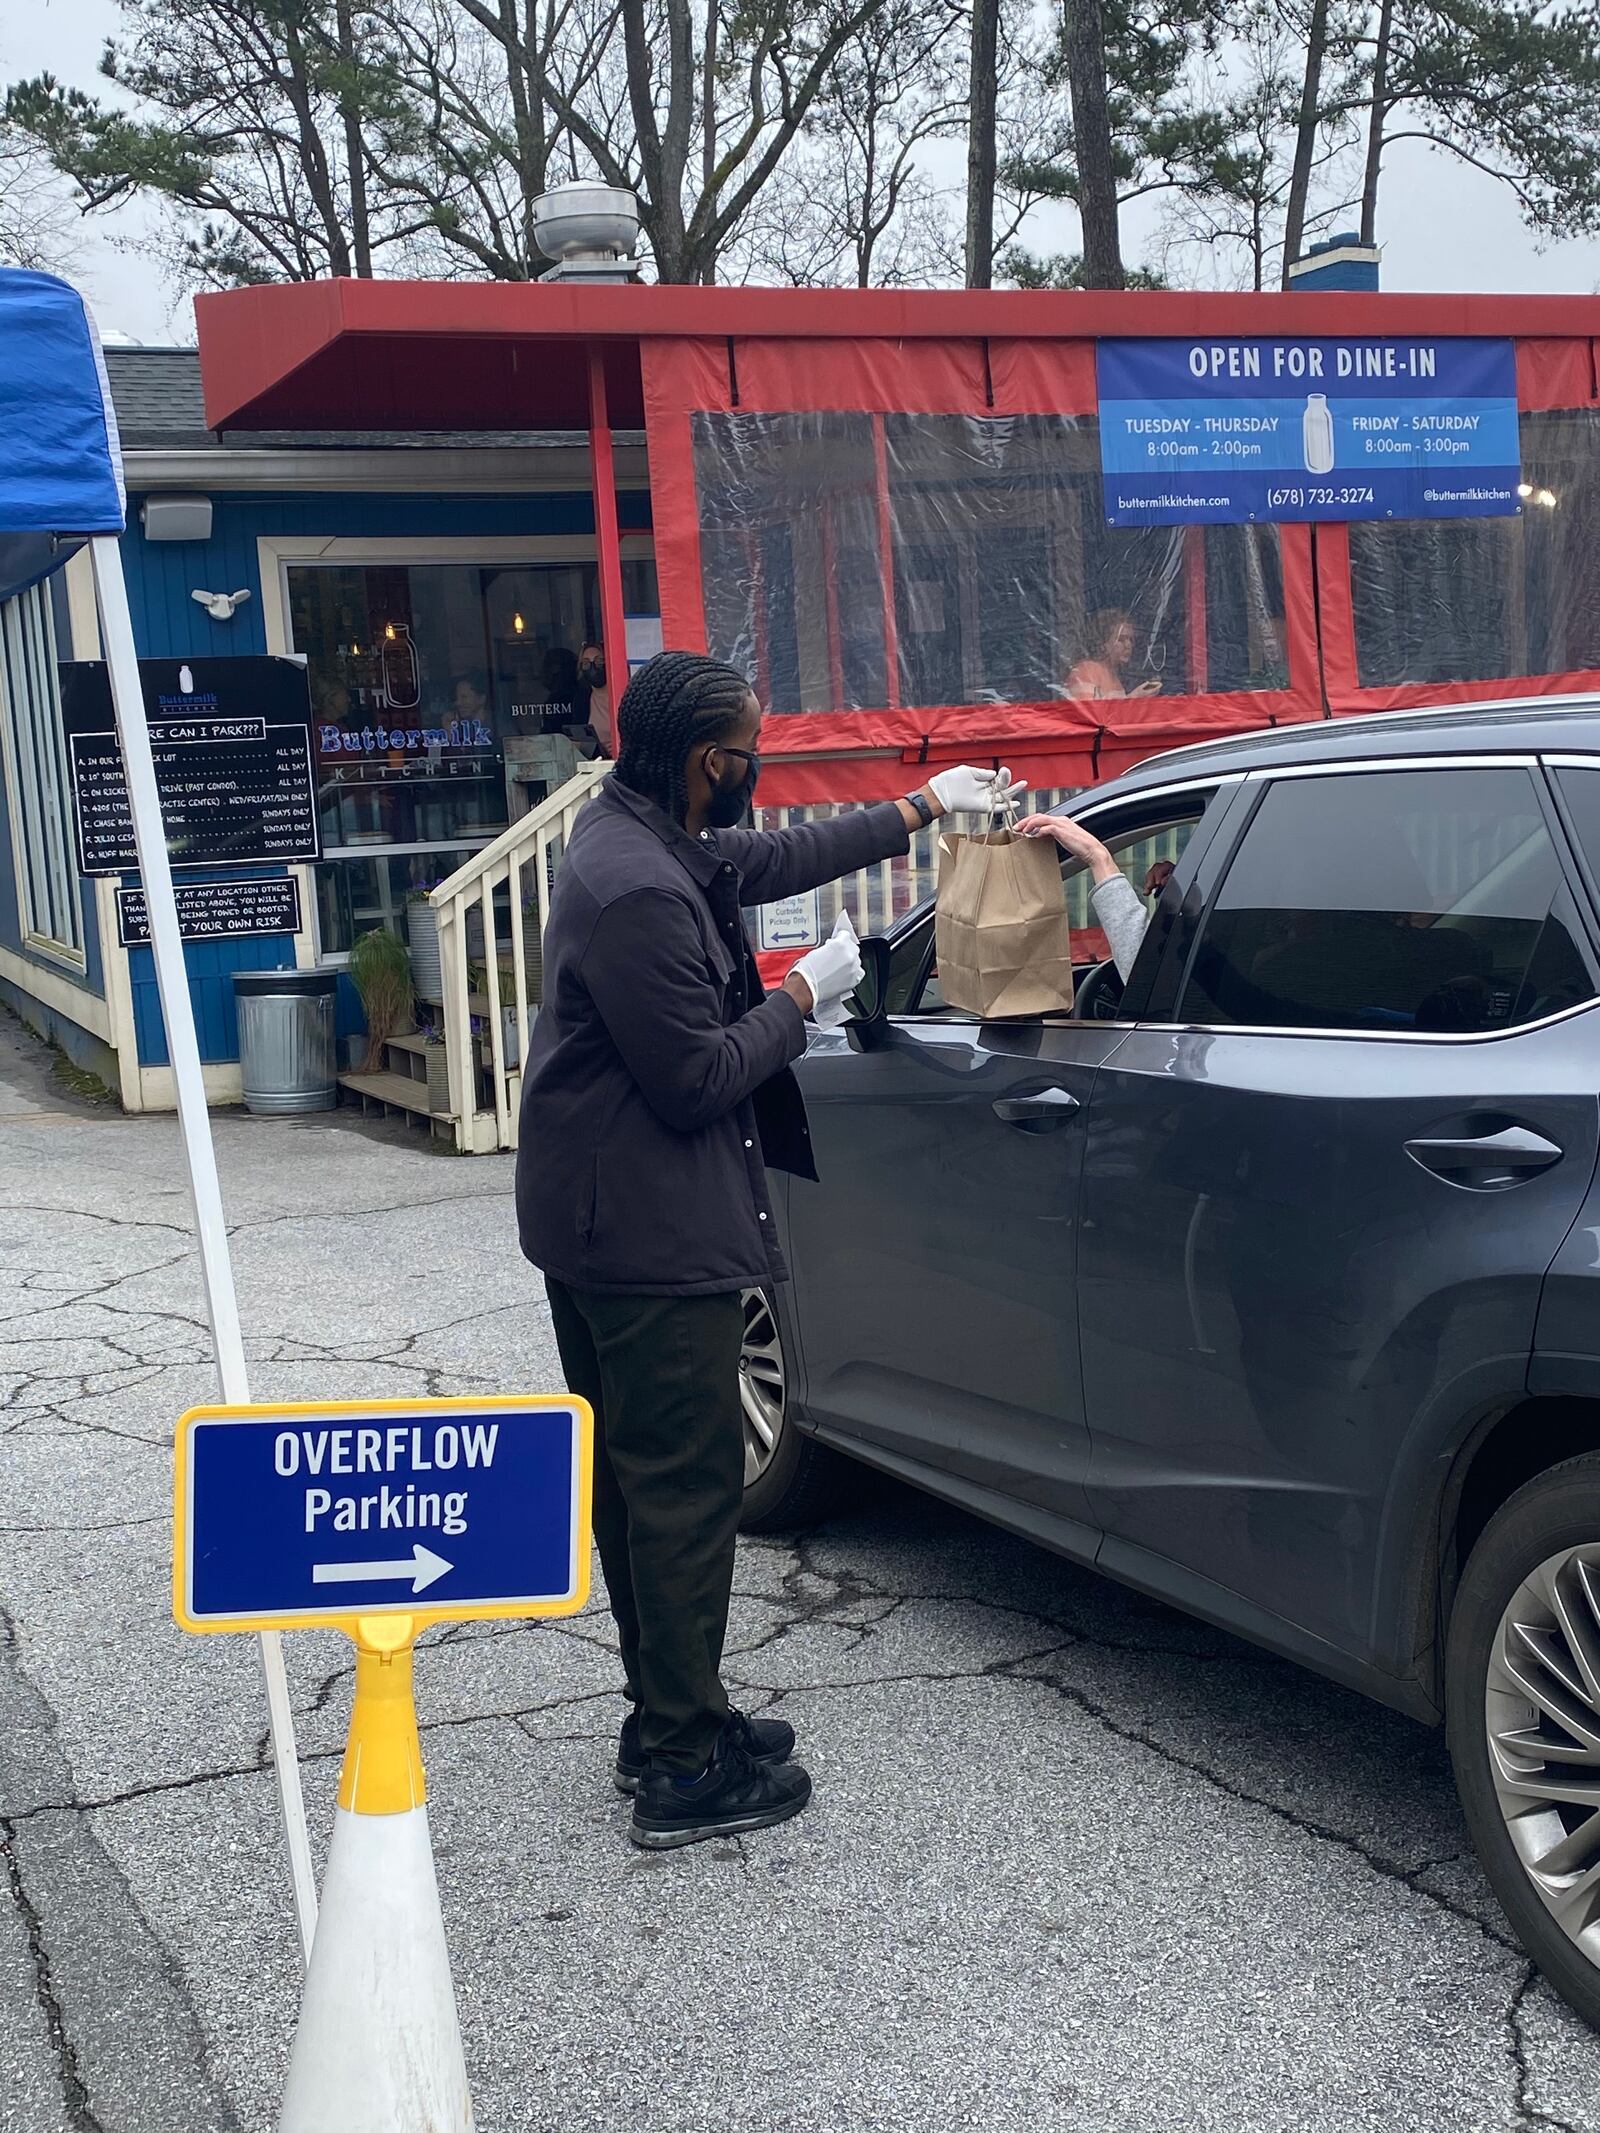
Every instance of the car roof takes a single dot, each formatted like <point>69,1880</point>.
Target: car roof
<point>1519,725</point>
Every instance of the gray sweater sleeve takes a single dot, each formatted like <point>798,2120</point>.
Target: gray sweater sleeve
<point>1122,918</point>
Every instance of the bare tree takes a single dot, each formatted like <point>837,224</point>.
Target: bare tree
<point>39,227</point>
<point>715,100</point>
<point>1308,119</point>
<point>1123,132</point>
<point>854,200</point>
<point>1234,157</point>
<point>1508,87</point>
<point>1084,49</point>
<point>983,90</point>
<point>245,112</point>
<point>470,144</point>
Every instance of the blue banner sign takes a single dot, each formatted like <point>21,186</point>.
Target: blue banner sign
<point>1222,432</point>
<point>289,1517</point>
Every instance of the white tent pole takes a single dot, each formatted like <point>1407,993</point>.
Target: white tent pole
<point>194,1120</point>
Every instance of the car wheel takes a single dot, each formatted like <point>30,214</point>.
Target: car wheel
<point>789,1480</point>
<point>1523,1707</point>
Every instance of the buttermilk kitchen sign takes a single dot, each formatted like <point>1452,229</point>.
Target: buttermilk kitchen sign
<point>232,745</point>
<point>1218,432</point>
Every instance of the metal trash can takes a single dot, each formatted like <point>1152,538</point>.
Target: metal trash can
<point>286,1050</point>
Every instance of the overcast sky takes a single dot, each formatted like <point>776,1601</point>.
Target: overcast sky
<point>1443,226</point>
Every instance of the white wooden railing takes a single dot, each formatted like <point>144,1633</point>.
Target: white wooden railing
<point>521,863</point>
<point>492,965</point>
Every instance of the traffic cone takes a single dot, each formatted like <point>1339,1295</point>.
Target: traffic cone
<point>378,2049</point>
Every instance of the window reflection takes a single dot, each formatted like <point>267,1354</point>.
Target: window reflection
<point>447,699</point>
<point>1463,599</point>
<point>1008,584</point>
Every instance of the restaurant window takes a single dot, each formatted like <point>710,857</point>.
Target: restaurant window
<point>790,556</point>
<point>446,698</point>
<point>36,772</point>
<point>1488,599</point>
<point>1009,587</point>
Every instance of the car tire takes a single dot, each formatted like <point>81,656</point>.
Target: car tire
<point>790,1479</point>
<point>1527,1614</point>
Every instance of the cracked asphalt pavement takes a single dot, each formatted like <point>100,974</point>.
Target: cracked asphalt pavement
<point>1074,1860</point>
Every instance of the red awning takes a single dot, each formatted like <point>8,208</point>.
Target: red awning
<point>402,355</point>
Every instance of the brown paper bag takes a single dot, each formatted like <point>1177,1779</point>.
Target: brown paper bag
<point>1003,938</point>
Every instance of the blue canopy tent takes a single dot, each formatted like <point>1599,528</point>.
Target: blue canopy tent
<point>61,486</point>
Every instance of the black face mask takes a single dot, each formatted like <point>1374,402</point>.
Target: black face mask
<point>731,803</point>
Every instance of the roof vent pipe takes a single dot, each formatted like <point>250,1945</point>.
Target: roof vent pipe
<point>589,231</point>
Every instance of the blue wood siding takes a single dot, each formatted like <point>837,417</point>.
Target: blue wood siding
<point>211,967</point>
<point>169,624</point>
<point>162,575</point>
<point>92,978</point>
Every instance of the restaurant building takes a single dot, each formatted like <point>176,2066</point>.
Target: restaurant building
<point>930,525</point>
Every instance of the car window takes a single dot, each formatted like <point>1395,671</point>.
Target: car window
<point>1146,857</point>
<point>1581,791</point>
<point>1142,850</point>
<point>1428,900</point>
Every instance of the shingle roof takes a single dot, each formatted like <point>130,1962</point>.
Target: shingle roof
<point>156,393</point>
<point>160,408</point>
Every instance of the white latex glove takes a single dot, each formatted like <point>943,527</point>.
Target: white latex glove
<point>969,791</point>
<point>833,972</point>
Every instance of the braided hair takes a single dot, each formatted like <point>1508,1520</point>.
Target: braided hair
<point>674,701</point>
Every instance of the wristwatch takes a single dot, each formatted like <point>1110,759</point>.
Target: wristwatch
<point>919,800</point>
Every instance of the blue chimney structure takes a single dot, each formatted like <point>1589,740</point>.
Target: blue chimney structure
<point>1338,262</point>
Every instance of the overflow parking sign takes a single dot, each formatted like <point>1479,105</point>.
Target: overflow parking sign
<point>1221,432</point>
<point>453,1510</point>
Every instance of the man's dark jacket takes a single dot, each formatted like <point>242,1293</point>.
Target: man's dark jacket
<point>657,1086</point>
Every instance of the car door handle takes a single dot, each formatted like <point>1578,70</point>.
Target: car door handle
<point>1041,1112</point>
<point>1485,1162</point>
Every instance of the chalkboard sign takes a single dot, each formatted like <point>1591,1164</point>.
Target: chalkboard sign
<point>232,745</point>
<point>216,910</point>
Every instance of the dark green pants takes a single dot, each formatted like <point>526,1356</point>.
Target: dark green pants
<point>662,1375</point>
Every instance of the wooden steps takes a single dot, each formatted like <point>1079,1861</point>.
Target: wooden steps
<point>400,1092</point>
<point>413,1083</point>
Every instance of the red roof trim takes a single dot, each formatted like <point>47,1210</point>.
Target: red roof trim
<point>253,341</point>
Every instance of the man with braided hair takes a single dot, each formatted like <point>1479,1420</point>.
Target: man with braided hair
<point>656,1092</point>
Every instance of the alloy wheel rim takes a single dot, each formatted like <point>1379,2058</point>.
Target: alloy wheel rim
<point>1542,1710</point>
<point>761,1385</point>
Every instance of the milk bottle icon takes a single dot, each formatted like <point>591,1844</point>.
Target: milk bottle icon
<point>1316,430</point>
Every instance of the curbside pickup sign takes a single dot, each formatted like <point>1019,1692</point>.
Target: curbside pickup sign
<point>447,1510</point>
<point>1223,432</point>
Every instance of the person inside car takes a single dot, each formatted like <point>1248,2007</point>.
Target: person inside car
<point>1122,916</point>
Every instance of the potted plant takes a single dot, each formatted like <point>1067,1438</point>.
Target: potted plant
<point>478,974</point>
<point>422,932</point>
<point>436,1062</point>
<point>533,944</point>
<point>380,970</point>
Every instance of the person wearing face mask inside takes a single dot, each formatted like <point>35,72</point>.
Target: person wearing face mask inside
<point>594,698</point>
<point>657,1091</point>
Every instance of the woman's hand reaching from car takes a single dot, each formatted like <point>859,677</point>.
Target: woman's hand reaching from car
<point>1074,838</point>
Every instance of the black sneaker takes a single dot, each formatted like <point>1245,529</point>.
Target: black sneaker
<point>734,1794</point>
<point>768,1740</point>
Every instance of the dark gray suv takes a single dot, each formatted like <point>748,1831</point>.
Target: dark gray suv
<point>1269,1284</point>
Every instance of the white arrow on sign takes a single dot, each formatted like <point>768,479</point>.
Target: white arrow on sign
<point>423,1569</point>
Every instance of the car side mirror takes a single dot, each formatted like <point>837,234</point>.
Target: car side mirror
<point>869,1003</point>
